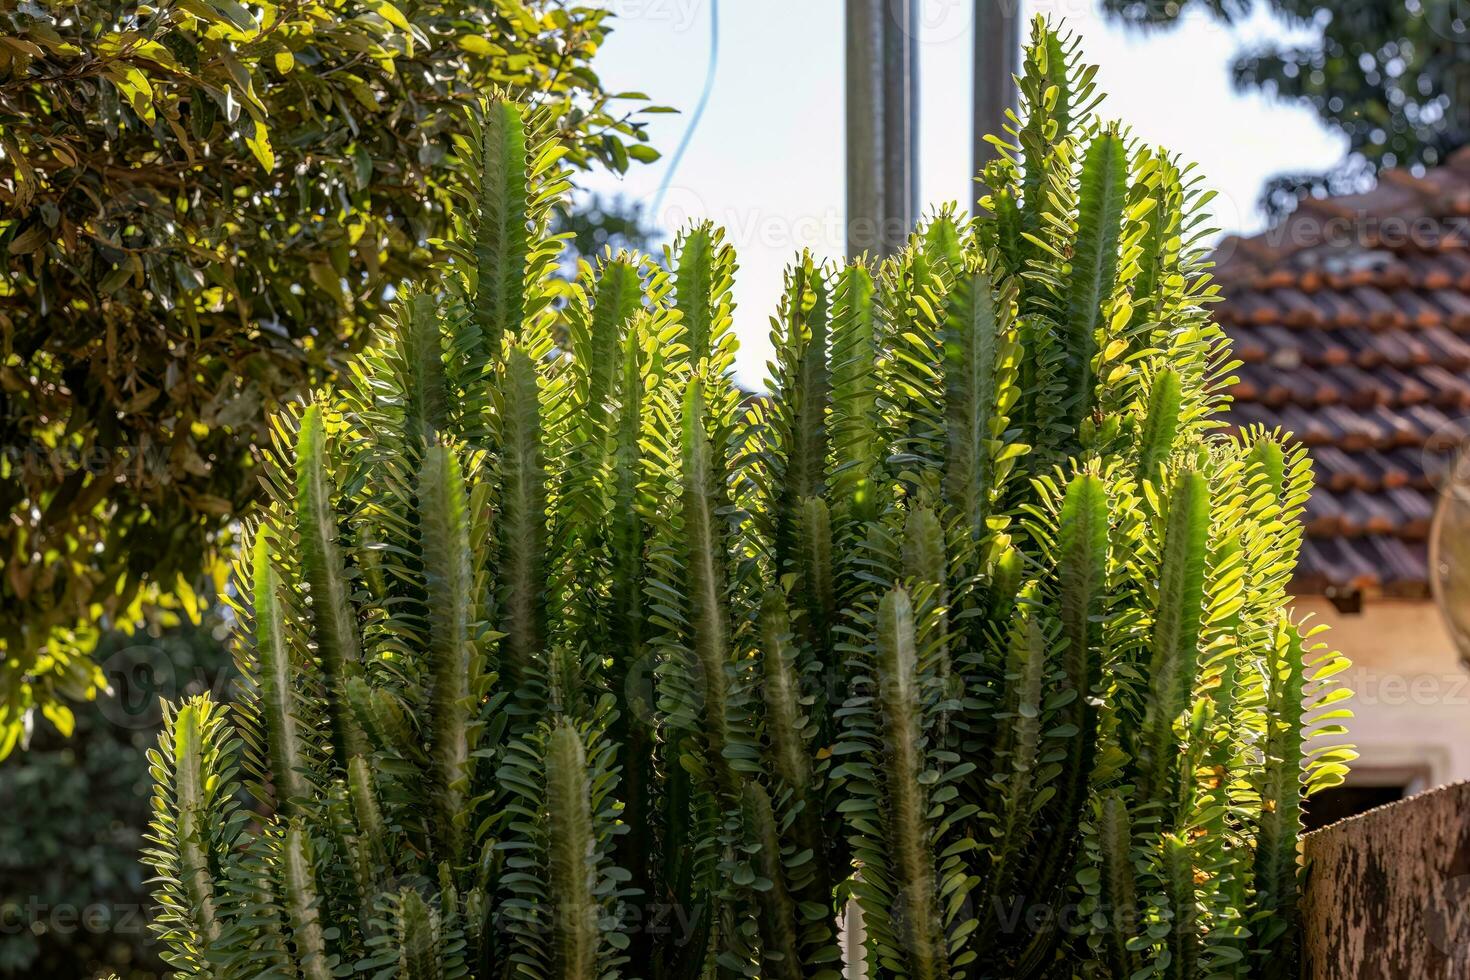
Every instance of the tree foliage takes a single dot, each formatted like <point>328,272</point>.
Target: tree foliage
<point>596,223</point>
<point>968,638</point>
<point>202,205</point>
<point>74,901</point>
<point>1389,75</point>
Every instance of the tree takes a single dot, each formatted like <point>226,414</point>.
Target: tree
<point>204,206</point>
<point>597,224</point>
<point>565,659</point>
<point>1390,75</point>
<point>74,901</point>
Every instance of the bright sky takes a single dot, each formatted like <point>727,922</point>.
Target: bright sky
<point>767,159</point>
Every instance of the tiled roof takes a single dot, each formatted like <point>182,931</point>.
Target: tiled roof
<point>1352,323</point>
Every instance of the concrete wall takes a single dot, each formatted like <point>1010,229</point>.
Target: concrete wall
<point>1412,707</point>
<point>1388,892</point>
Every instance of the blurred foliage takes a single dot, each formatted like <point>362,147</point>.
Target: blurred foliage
<point>1392,76</point>
<point>598,224</point>
<point>202,205</point>
<point>72,900</point>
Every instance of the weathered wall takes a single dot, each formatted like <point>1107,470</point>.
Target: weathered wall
<point>1388,892</point>
<point>1412,709</point>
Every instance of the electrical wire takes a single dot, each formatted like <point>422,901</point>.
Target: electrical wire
<point>699,107</point>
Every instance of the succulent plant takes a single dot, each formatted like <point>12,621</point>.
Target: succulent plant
<point>960,652</point>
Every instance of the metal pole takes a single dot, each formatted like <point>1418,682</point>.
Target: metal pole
<point>997,60</point>
<point>882,124</point>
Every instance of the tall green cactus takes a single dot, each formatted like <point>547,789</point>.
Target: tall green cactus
<point>962,650</point>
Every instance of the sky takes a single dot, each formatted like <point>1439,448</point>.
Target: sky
<point>766,160</point>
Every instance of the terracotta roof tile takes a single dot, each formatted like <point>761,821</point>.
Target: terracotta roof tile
<point>1457,265</point>
<point>1446,389</point>
<point>1420,311</point>
<point>1297,309</point>
<point>1337,309</point>
<point>1339,471</point>
<point>1389,470</point>
<point>1351,322</point>
<point>1378,310</point>
<point>1456,306</point>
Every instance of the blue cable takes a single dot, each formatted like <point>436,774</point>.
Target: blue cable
<point>709,85</point>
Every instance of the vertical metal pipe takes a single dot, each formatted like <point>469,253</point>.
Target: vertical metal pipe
<point>882,123</point>
<point>864,82</point>
<point>997,60</point>
<point>901,116</point>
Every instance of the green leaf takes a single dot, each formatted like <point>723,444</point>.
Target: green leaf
<point>258,140</point>
<point>362,166</point>
<point>393,15</point>
<point>61,716</point>
<point>237,14</point>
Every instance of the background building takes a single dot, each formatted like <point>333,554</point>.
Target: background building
<point>1351,320</point>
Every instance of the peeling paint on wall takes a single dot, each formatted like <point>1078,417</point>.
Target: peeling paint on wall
<point>1388,892</point>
